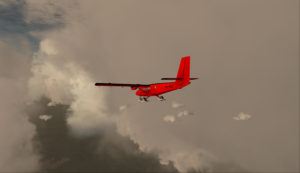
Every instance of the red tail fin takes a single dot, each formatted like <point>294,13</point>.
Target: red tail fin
<point>184,70</point>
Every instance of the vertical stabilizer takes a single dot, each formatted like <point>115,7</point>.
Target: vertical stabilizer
<point>183,75</point>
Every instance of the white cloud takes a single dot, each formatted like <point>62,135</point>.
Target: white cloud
<point>45,117</point>
<point>47,46</point>
<point>124,107</point>
<point>172,118</point>
<point>184,113</point>
<point>242,116</point>
<point>176,105</point>
<point>51,103</point>
<point>169,118</point>
<point>70,84</point>
<point>89,109</point>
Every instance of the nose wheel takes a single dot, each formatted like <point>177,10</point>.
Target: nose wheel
<point>143,99</point>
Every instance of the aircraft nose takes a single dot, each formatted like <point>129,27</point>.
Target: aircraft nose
<point>138,92</point>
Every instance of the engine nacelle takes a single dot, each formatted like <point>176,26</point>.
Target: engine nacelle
<point>134,88</point>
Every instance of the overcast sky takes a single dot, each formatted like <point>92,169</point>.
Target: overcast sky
<point>242,114</point>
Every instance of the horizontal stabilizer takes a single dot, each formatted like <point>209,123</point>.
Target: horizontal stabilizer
<point>170,78</point>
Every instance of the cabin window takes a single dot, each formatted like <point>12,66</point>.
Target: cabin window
<point>146,88</point>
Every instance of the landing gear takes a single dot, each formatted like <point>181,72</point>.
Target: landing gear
<point>143,99</point>
<point>161,98</point>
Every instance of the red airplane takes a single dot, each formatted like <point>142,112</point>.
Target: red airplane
<point>156,89</point>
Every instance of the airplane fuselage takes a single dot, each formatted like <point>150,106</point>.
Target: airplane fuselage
<point>159,88</point>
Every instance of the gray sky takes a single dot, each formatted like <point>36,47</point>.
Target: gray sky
<point>245,53</point>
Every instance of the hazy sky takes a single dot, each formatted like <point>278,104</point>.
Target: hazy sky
<point>242,114</point>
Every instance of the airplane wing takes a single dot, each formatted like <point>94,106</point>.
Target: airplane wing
<point>121,85</point>
<point>173,78</point>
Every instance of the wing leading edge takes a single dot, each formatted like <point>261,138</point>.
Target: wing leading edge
<point>121,85</point>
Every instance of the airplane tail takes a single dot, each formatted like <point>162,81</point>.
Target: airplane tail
<point>183,75</point>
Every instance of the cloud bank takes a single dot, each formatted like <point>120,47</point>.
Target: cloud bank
<point>105,151</point>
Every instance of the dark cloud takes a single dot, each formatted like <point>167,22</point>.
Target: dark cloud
<point>227,166</point>
<point>107,151</point>
<point>13,18</point>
